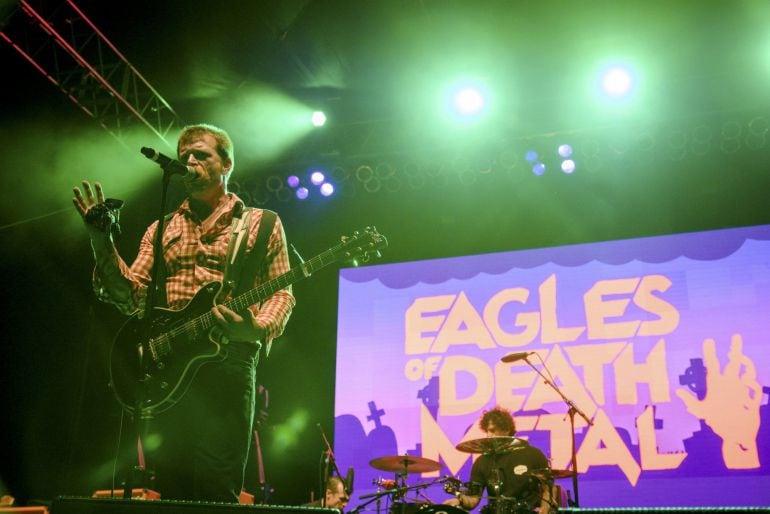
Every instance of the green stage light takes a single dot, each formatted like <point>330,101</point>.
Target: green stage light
<point>617,81</point>
<point>318,118</point>
<point>467,101</point>
<point>287,434</point>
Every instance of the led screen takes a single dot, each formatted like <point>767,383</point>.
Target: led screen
<point>662,343</point>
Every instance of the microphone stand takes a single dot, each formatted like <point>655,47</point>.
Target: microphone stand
<point>143,413</point>
<point>328,459</point>
<point>573,409</point>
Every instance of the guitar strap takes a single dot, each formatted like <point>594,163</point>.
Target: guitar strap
<point>160,290</point>
<point>239,236</point>
<point>246,268</point>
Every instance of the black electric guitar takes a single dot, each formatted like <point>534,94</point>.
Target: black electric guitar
<point>179,342</point>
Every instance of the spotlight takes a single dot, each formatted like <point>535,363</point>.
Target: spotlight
<point>538,169</point>
<point>293,181</point>
<point>317,178</point>
<point>617,82</point>
<point>327,189</point>
<point>565,151</point>
<point>468,101</point>
<point>568,166</point>
<point>531,156</point>
<point>302,193</point>
<point>318,118</point>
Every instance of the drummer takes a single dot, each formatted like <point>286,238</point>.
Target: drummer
<point>507,475</point>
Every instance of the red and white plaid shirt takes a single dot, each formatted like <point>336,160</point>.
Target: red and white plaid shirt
<point>195,254</point>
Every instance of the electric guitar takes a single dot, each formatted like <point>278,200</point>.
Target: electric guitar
<point>152,367</point>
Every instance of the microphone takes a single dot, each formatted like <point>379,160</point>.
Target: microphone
<point>513,357</point>
<point>349,481</point>
<point>168,164</point>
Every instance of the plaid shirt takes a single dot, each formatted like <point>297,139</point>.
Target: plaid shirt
<point>195,254</point>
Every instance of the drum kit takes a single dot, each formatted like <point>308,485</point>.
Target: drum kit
<point>403,465</point>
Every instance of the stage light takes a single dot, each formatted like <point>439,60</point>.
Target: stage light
<point>565,151</point>
<point>568,166</point>
<point>538,169</point>
<point>302,193</point>
<point>293,181</point>
<point>327,189</point>
<point>317,177</point>
<point>468,101</point>
<point>531,156</point>
<point>617,82</point>
<point>318,118</point>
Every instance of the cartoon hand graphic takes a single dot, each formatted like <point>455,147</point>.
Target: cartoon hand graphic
<point>731,404</point>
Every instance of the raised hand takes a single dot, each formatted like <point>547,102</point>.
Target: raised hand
<point>731,405</point>
<point>99,215</point>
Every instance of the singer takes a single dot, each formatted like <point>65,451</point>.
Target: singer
<point>203,438</point>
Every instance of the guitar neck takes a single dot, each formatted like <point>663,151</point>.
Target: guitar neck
<point>259,293</point>
<point>350,248</point>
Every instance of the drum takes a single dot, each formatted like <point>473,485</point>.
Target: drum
<point>506,507</point>
<point>407,508</point>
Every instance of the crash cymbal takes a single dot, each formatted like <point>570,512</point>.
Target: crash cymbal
<point>405,464</point>
<point>491,444</point>
<point>562,473</point>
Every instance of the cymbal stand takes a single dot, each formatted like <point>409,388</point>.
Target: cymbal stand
<point>573,409</point>
<point>328,460</point>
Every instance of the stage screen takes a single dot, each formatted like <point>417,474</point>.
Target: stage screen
<point>663,343</point>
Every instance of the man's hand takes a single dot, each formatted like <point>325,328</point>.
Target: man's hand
<point>731,405</point>
<point>93,210</point>
<point>236,327</point>
<point>463,501</point>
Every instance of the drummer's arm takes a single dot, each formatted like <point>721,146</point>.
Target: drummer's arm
<point>545,498</point>
<point>464,501</point>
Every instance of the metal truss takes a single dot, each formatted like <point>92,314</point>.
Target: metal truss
<point>70,51</point>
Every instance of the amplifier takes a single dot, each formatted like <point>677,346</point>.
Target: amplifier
<point>77,505</point>
<point>667,510</point>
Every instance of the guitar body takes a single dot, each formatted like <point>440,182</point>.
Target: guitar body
<point>177,351</point>
<point>155,365</point>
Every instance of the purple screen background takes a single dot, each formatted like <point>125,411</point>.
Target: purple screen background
<point>719,284</point>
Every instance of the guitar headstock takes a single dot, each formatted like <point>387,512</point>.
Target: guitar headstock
<point>361,246</point>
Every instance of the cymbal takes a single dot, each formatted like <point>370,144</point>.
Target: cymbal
<point>491,444</point>
<point>553,473</point>
<point>405,464</point>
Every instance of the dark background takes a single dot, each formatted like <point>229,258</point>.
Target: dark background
<point>693,157</point>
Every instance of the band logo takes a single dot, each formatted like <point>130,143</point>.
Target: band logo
<point>606,348</point>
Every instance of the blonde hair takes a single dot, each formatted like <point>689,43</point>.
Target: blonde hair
<point>224,143</point>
